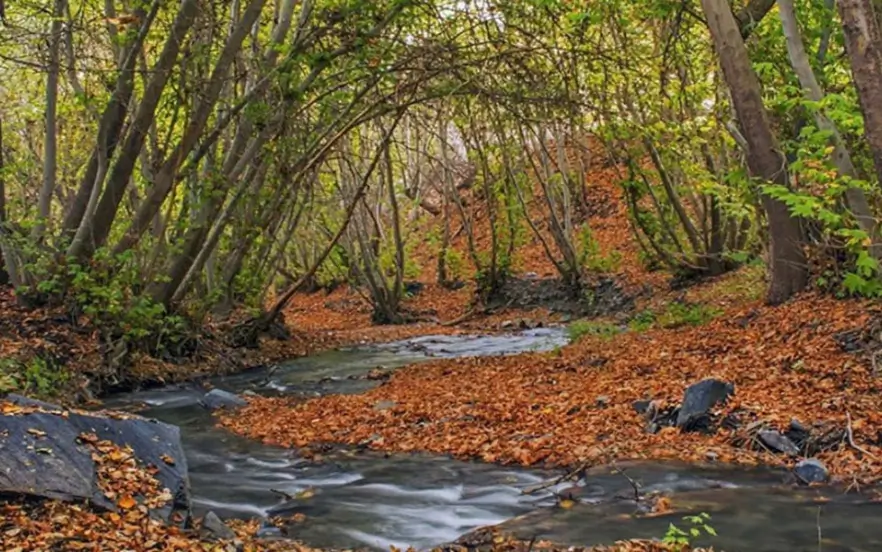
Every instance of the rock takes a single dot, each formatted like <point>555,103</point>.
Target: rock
<point>213,528</point>
<point>796,425</point>
<point>42,455</point>
<point>507,325</point>
<point>777,442</point>
<point>642,406</point>
<point>26,401</point>
<point>531,275</point>
<point>384,405</point>
<point>601,401</point>
<point>700,398</point>
<point>220,399</point>
<point>249,393</point>
<point>811,470</point>
<point>413,288</point>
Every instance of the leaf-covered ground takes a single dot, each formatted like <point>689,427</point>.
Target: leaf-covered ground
<point>575,404</point>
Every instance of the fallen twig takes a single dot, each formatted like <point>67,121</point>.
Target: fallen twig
<point>287,496</point>
<point>634,484</point>
<point>850,435</point>
<point>571,475</point>
<point>468,314</point>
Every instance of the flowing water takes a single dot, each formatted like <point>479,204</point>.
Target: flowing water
<point>363,500</point>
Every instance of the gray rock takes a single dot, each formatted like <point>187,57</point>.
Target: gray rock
<point>811,470</point>
<point>642,406</point>
<point>26,401</point>
<point>384,405</point>
<point>796,425</point>
<point>213,527</point>
<point>42,456</point>
<point>700,398</point>
<point>777,442</point>
<point>220,399</point>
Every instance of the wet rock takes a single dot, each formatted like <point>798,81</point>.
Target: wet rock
<point>777,442</point>
<point>700,398</point>
<point>811,470</point>
<point>42,456</point>
<point>214,528</point>
<point>220,399</point>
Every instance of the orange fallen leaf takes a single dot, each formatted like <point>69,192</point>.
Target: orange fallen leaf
<point>127,502</point>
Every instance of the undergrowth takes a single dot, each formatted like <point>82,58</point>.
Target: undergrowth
<point>36,376</point>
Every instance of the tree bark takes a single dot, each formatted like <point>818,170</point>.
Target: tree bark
<point>863,42</point>
<point>109,128</point>
<point>750,15</point>
<point>93,231</point>
<point>50,143</point>
<point>855,197</point>
<point>787,260</point>
<point>167,175</point>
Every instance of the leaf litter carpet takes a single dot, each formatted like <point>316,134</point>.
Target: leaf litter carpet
<point>576,405</point>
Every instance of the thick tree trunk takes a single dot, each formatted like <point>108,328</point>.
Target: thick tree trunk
<point>863,42</point>
<point>789,270</point>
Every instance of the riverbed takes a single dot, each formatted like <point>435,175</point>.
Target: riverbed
<point>355,499</point>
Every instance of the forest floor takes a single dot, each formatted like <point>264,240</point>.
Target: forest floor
<point>810,360</point>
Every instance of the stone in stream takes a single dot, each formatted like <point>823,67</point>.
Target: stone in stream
<point>700,398</point>
<point>42,455</point>
<point>777,442</point>
<point>213,528</point>
<point>811,470</point>
<point>219,399</point>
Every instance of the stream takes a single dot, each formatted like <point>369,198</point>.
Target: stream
<point>369,500</point>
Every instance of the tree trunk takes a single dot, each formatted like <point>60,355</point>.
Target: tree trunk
<point>787,260</point>
<point>855,197</point>
<point>863,43</point>
<point>167,175</point>
<point>50,143</point>
<point>109,128</point>
<point>93,231</point>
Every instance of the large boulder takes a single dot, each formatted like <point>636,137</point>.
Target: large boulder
<point>700,398</point>
<point>43,455</point>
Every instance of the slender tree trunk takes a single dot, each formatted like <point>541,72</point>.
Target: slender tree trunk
<point>167,175</point>
<point>109,129</point>
<point>93,231</point>
<point>789,270</point>
<point>863,42</point>
<point>50,143</point>
<point>855,197</point>
<point>4,271</point>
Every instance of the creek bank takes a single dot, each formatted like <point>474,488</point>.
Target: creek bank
<point>546,409</point>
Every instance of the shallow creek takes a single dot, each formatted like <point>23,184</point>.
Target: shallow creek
<point>369,500</point>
